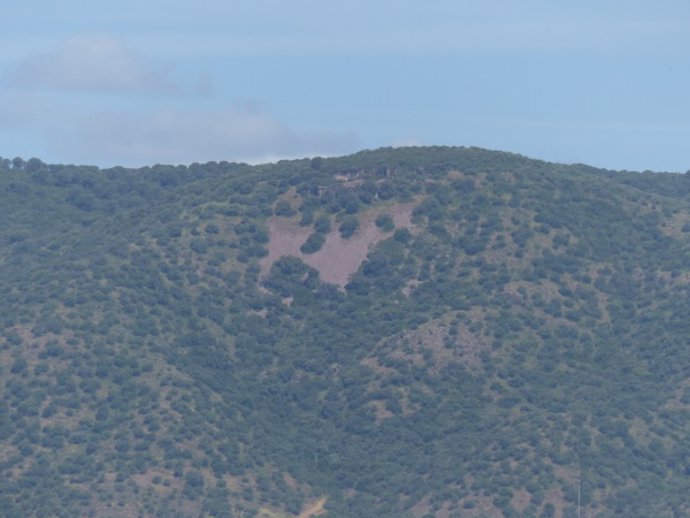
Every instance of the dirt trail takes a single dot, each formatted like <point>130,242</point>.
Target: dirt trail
<point>310,511</point>
<point>315,509</point>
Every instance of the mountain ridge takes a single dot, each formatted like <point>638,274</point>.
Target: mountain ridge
<point>520,326</point>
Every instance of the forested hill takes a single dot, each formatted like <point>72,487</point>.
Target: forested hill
<point>415,332</point>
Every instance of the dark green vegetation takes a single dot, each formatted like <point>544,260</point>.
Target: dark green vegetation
<point>530,327</point>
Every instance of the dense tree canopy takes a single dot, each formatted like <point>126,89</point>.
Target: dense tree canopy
<point>515,326</point>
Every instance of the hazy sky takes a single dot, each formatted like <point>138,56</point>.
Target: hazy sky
<point>603,82</point>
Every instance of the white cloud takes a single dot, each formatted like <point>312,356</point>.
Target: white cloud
<point>242,132</point>
<point>76,105</point>
<point>96,63</point>
<point>238,133</point>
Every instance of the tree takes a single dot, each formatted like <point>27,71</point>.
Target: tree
<point>17,164</point>
<point>349,226</point>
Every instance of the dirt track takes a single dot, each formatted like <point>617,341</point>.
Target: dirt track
<point>315,509</point>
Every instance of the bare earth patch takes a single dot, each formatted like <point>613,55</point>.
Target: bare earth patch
<point>521,499</point>
<point>382,413</point>
<point>339,258</point>
<point>310,511</point>
<point>315,509</point>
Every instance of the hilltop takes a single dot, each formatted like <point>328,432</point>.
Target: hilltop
<point>413,332</point>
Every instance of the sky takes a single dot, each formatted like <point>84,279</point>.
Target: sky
<point>136,82</point>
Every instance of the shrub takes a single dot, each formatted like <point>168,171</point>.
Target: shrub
<point>283,208</point>
<point>348,227</point>
<point>385,222</point>
<point>313,243</point>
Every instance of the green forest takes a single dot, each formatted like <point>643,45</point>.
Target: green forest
<point>407,333</point>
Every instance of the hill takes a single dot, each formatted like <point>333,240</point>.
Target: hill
<point>415,332</point>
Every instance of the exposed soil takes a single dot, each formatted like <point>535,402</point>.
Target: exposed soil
<point>315,509</point>
<point>521,499</point>
<point>310,511</point>
<point>339,258</point>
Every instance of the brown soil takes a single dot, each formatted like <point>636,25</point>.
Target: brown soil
<point>310,511</point>
<point>382,413</point>
<point>521,499</point>
<point>315,509</point>
<point>339,258</point>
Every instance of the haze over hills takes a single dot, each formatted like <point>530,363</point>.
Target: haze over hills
<point>412,332</point>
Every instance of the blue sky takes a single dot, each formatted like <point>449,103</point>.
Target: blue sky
<point>135,83</point>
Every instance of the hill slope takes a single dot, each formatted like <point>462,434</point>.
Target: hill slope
<point>412,332</point>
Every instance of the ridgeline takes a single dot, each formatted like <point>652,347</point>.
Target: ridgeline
<point>414,332</point>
